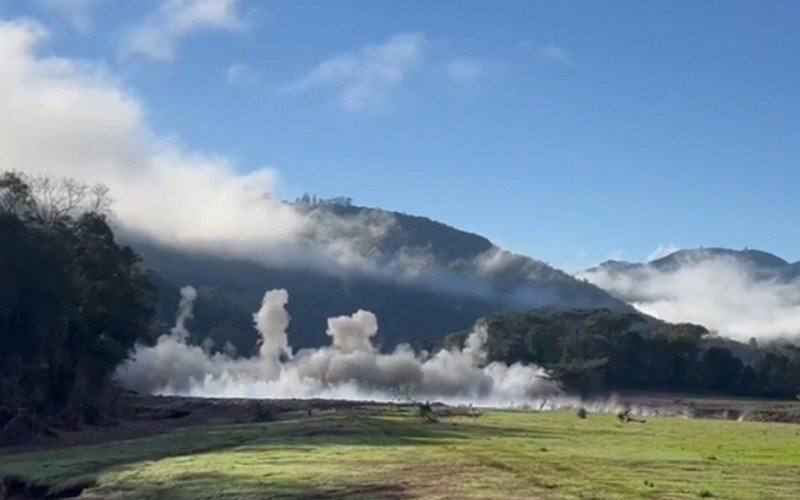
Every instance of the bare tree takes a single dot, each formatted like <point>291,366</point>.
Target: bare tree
<point>50,201</point>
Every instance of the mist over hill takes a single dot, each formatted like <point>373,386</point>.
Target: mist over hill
<point>760,263</point>
<point>736,293</point>
<point>421,277</point>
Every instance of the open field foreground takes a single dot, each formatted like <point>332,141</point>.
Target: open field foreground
<point>393,453</point>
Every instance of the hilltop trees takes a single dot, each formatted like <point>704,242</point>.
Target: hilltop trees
<point>72,301</point>
<point>597,350</point>
<point>779,370</point>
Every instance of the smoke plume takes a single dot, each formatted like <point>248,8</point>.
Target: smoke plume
<point>271,322</point>
<point>185,313</point>
<point>351,367</point>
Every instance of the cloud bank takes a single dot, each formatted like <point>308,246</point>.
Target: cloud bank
<point>721,293</point>
<point>351,367</point>
<point>68,117</point>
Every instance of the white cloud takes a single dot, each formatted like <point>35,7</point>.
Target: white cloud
<point>662,251</point>
<point>75,11</point>
<point>160,33</point>
<point>366,79</point>
<point>241,74</point>
<point>65,117</point>
<point>555,54</point>
<point>721,293</point>
<point>464,69</point>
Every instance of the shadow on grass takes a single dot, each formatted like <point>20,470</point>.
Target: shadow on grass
<point>376,431</point>
<point>223,485</point>
<point>88,462</point>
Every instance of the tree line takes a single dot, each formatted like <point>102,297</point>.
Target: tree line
<point>597,350</point>
<point>73,302</point>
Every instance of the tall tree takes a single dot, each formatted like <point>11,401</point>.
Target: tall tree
<point>72,301</point>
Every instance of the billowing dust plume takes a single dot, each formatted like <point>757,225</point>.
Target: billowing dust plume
<point>351,367</point>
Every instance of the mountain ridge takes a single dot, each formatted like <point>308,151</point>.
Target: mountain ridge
<point>762,263</point>
<point>440,279</point>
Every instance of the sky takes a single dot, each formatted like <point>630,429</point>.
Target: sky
<point>571,132</point>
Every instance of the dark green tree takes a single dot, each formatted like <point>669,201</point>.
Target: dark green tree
<point>72,301</point>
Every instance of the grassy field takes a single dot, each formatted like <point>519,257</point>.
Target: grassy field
<point>394,454</point>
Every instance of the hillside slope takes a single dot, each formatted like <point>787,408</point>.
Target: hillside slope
<point>441,280</point>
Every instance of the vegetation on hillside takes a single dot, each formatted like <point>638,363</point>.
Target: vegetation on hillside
<point>600,350</point>
<point>229,291</point>
<point>72,301</point>
<point>481,278</point>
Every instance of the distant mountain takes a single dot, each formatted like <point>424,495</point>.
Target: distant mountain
<point>433,279</point>
<point>740,294</point>
<point>761,264</point>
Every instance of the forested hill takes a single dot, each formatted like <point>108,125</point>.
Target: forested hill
<point>597,350</point>
<point>446,243</point>
<point>409,310</point>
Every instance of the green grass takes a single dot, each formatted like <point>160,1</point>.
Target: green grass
<point>394,454</point>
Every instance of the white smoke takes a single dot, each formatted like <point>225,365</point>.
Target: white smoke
<point>351,367</point>
<point>271,321</point>
<point>185,313</point>
<point>353,333</point>
<point>721,293</point>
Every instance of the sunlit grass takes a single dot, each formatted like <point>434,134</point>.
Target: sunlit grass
<point>501,454</point>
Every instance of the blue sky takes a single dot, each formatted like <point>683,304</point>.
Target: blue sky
<point>571,132</point>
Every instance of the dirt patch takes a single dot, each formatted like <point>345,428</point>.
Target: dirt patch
<point>711,407</point>
<point>786,416</point>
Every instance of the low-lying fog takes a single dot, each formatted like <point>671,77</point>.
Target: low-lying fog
<point>722,293</point>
